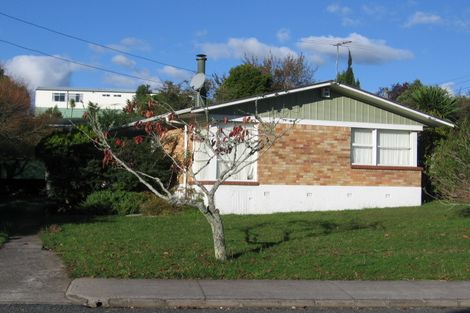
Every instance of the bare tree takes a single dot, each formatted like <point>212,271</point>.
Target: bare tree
<point>234,145</point>
<point>288,72</point>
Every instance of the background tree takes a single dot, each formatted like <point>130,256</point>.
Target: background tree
<point>169,93</point>
<point>288,72</point>
<point>396,90</point>
<point>257,76</point>
<point>347,77</point>
<point>463,105</point>
<point>449,166</point>
<point>20,130</point>
<point>243,80</point>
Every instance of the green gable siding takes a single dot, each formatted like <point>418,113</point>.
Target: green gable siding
<point>310,105</point>
<point>66,113</point>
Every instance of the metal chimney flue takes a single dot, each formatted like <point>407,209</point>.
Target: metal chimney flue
<point>201,63</point>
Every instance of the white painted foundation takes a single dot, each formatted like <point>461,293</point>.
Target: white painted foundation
<point>265,199</point>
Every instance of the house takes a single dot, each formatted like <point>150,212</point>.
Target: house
<point>72,102</point>
<point>349,149</point>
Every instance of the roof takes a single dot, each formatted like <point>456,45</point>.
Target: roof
<point>380,102</point>
<point>86,89</point>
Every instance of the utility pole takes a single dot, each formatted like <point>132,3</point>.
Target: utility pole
<point>337,45</point>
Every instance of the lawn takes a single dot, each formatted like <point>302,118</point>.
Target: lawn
<point>428,242</point>
<point>3,238</point>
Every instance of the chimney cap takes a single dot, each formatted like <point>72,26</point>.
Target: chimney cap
<point>201,56</point>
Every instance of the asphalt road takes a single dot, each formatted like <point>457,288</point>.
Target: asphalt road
<point>25,308</point>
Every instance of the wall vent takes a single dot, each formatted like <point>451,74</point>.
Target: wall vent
<point>325,92</point>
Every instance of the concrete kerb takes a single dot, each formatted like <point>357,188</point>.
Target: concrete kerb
<point>264,294</point>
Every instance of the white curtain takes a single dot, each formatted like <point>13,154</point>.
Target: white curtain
<point>200,164</point>
<point>394,148</point>
<point>247,170</point>
<point>362,146</point>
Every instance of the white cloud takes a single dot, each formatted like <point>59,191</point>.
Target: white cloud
<point>449,86</point>
<point>40,71</point>
<point>374,10</point>
<point>283,35</point>
<point>344,13</point>
<point>121,81</point>
<point>363,49</point>
<point>123,61</point>
<point>176,73</point>
<point>201,33</point>
<point>236,48</point>
<point>125,44</point>
<point>347,21</point>
<point>420,18</point>
<point>132,83</point>
<point>338,9</point>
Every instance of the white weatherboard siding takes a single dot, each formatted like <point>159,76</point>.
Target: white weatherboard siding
<point>266,199</point>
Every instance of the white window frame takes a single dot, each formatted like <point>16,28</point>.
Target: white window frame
<point>413,135</point>
<point>213,166</point>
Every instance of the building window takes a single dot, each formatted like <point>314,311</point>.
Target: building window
<point>246,172</point>
<point>362,146</point>
<point>393,148</point>
<point>383,147</point>
<point>117,95</point>
<point>106,95</point>
<point>208,167</point>
<point>77,97</point>
<point>58,97</point>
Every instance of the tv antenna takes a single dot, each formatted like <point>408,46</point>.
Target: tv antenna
<point>337,45</point>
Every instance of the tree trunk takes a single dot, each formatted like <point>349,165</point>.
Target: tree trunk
<point>218,235</point>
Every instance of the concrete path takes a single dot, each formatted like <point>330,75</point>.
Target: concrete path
<point>267,293</point>
<point>29,274</point>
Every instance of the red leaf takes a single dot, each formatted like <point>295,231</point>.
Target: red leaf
<point>138,140</point>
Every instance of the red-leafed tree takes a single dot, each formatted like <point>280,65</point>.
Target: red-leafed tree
<point>235,145</point>
<point>20,131</point>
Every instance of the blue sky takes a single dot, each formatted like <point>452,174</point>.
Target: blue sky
<point>392,41</point>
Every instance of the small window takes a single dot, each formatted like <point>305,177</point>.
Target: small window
<point>77,97</point>
<point>117,95</point>
<point>106,95</point>
<point>58,97</point>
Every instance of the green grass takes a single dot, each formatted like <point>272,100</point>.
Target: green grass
<point>428,242</point>
<point>3,238</point>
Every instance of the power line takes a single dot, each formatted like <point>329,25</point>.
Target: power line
<point>79,63</point>
<point>92,42</point>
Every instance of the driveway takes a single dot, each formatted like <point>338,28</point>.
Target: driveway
<point>29,274</point>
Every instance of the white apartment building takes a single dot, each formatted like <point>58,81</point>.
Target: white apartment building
<point>72,102</point>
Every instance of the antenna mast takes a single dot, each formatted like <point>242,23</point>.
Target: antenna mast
<point>337,45</point>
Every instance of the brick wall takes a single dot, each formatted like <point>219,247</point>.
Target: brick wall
<point>320,155</point>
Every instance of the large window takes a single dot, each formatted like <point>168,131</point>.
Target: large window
<point>383,147</point>
<point>209,167</point>
<point>58,97</point>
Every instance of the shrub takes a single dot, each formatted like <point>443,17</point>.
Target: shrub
<point>449,166</point>
<point>157,206</point>
<point>113,202</point>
